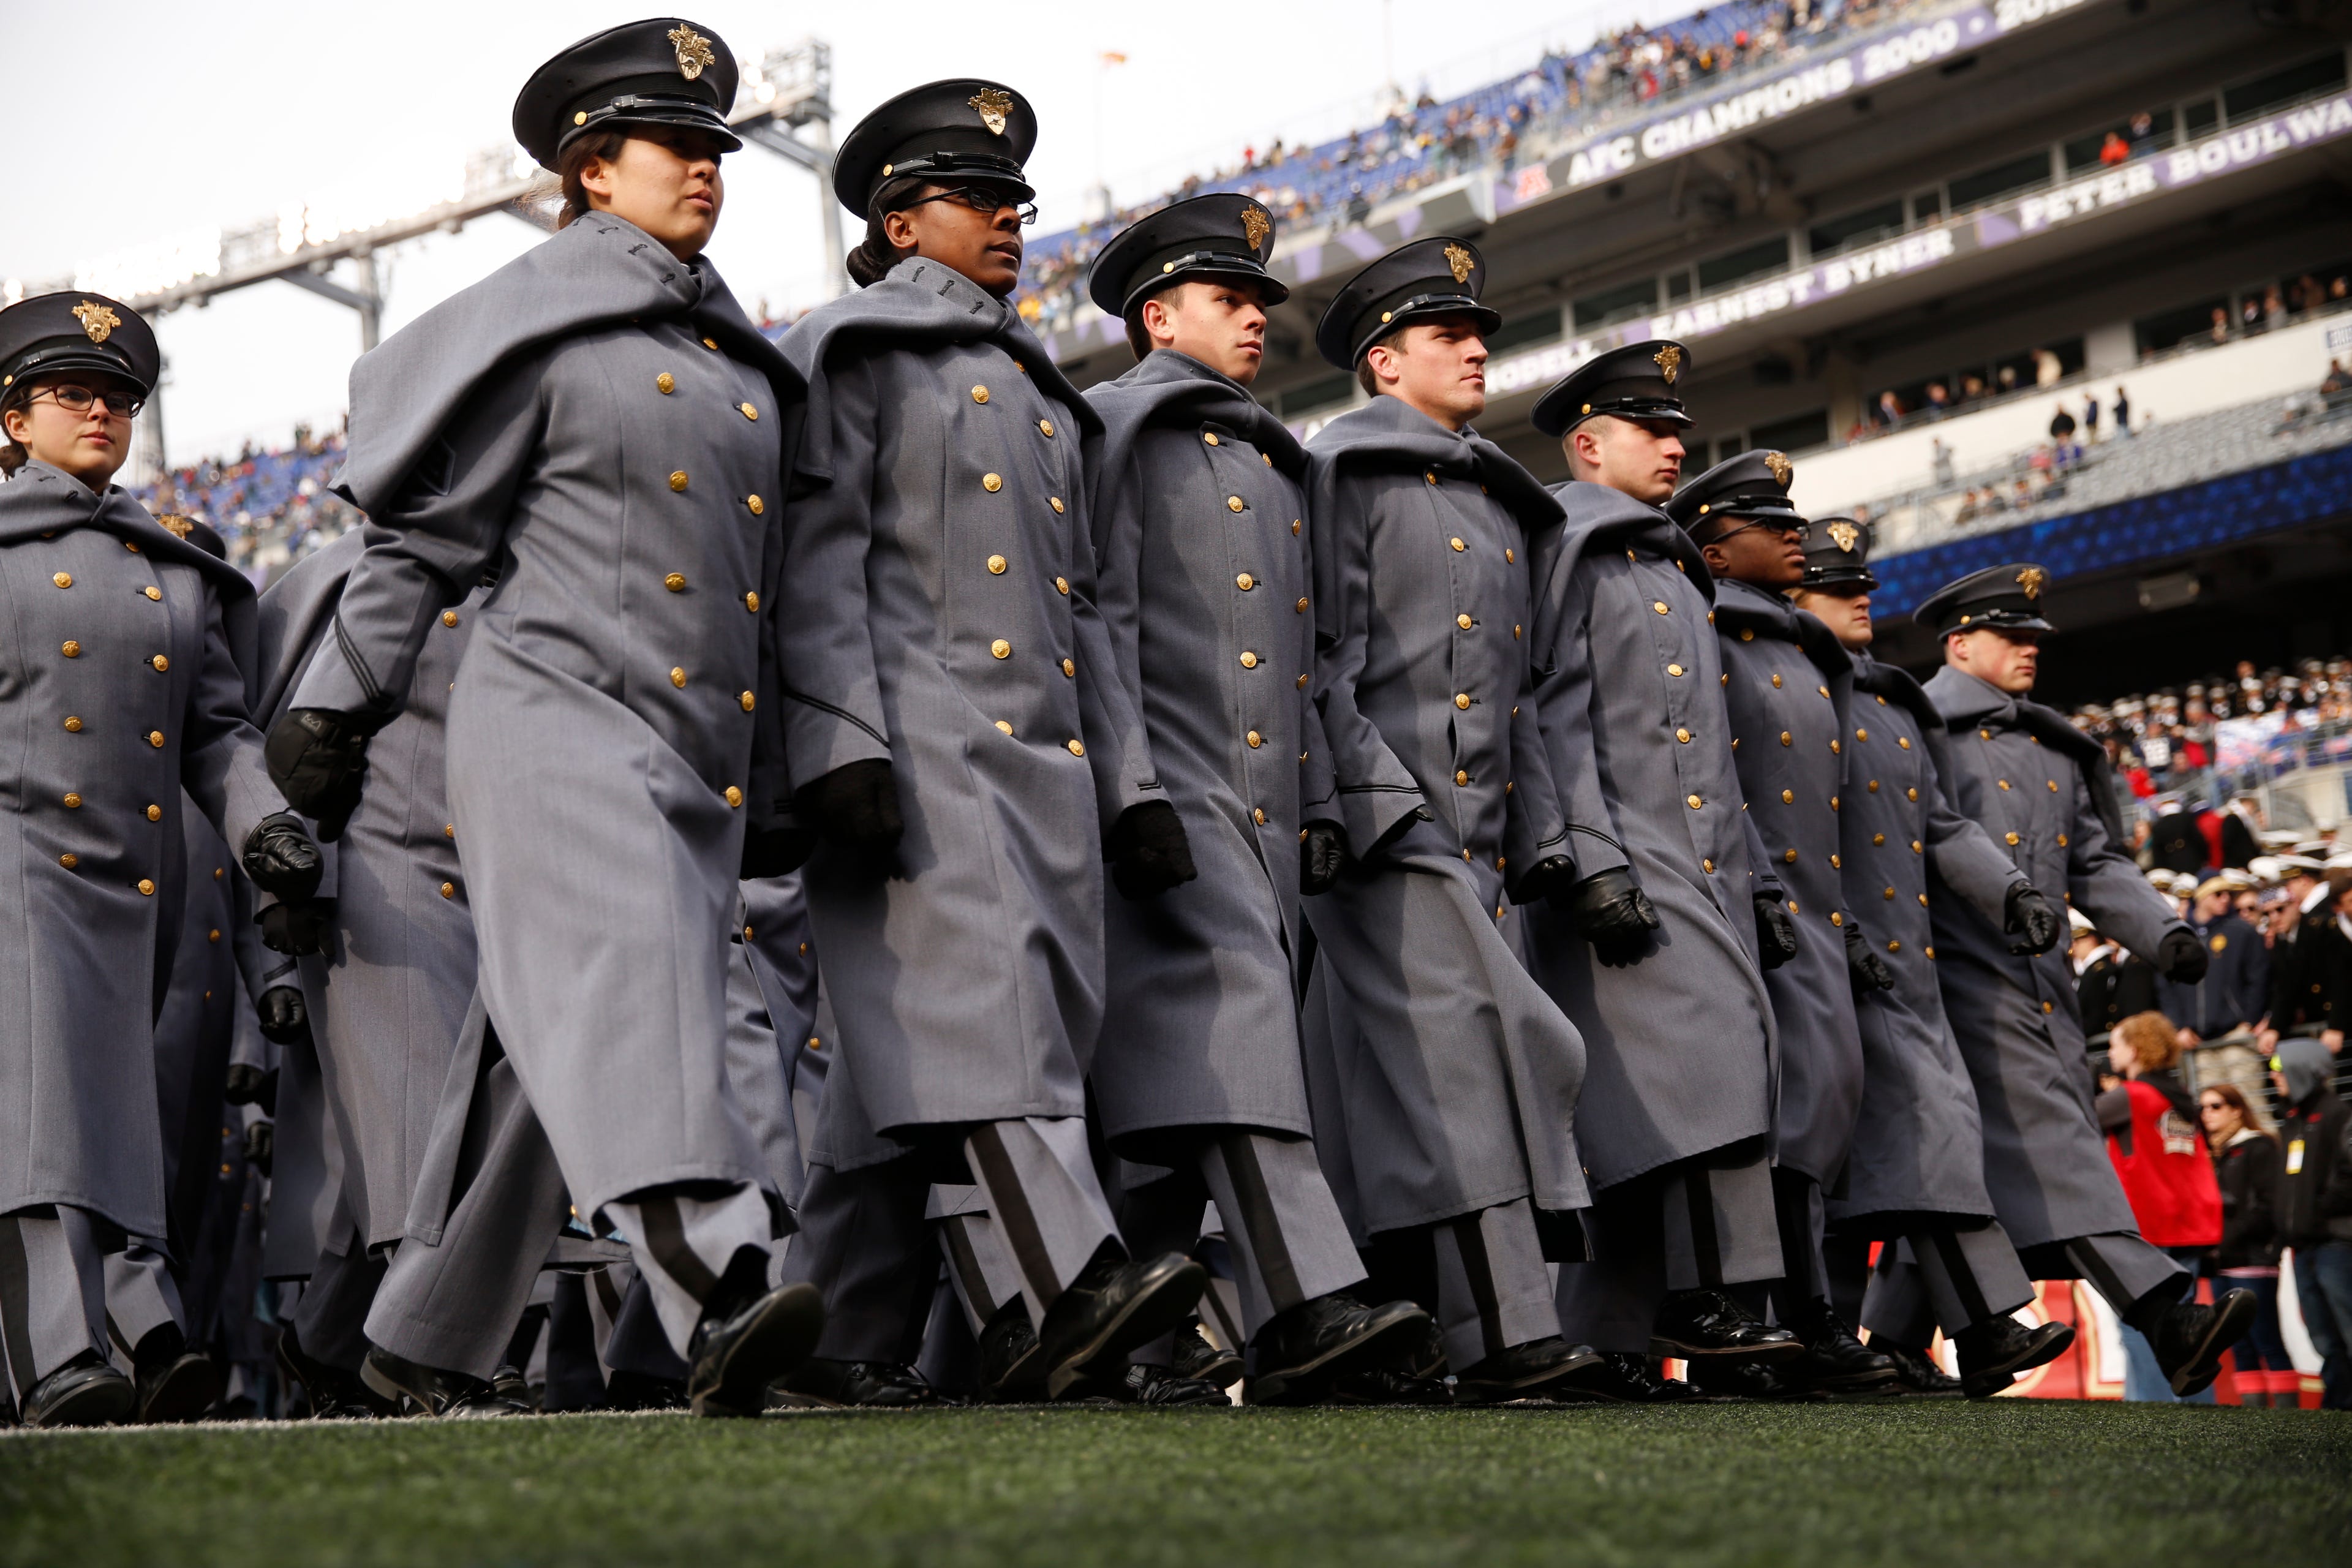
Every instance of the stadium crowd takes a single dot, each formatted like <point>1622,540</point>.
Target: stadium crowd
<point>270,505</point>
<point>848,873</point>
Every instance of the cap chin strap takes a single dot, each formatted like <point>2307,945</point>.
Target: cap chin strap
<point>1196,264</point>
<point>1397,315</point>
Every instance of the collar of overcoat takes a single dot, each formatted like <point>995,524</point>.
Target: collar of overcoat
<point>1970,701</point>
<point>42,501</point>
<point>598,271</point>
<point>919,302</point>
<point>1390,435</point>
<point>1744,607</point>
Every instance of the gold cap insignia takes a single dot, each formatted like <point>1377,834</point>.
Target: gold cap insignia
<point>694,56</point>
<point>1781,466</point>
<point>1670,362</point>
<point>1844,533</point>
<point>96,320</point>
<point>994,104</point>
<point>1460,261</point>
<point>2030,581</point>
<point>1255,225</point>
<point>178,525</point>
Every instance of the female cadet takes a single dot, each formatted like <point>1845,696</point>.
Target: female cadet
<point>122,684</point>
<point>957,719</point>
<point>600,424</point>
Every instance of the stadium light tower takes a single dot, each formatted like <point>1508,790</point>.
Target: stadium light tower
<point>790,88</point>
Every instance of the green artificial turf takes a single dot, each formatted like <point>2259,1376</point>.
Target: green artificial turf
<point>2008,1482</point>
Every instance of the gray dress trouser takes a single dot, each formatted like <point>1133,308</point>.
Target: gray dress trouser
<point>52,1290</point>
<point>1702,1223</point>
<point>331,1321</point>
<point>141,1297</point>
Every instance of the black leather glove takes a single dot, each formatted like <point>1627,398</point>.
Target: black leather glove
<point>260,1146</point>
<point>1549,879</point>
<point>1776,933</point>
<point>856,807</point>
<point>2027,916</point>
<point>284,1015</point>
<point>247,1083</point>
<point>298,929</point>
<point>1148,851</point>
<point>318,759</point>
<point>282,860</point>
<point>1609,911</point>
<point>2181,957</point>
<point>1864,968</point>
<point>775,852</point>
<point>1322,855</point>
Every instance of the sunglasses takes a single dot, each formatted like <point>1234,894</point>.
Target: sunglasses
<point>82,399</point>
<point>2212,1105</point>
<point>981,200</point>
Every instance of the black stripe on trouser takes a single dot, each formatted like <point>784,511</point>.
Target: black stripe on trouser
<point>1010,1205</point>
<point>666,1240</point>
<point>1955,1259</point>
<point>15,1305</point>
<point>966,1263</point>
<point>1706,1250</point>
<point>1267,1248</point>
<point>2094,1268</point>
<point>1470,1243</point>
<point>114,1334</point>
<point>1793,1215</point>
<point>608,1295</point>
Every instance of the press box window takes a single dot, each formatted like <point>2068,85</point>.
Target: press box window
<point>1738,265</point>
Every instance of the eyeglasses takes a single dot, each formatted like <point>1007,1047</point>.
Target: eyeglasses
<point>983,201</point>
<point>1777,524</point>
<point>81,399</point>
<point>2212,1105</point>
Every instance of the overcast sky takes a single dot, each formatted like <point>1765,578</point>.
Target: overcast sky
<point>220,114</point>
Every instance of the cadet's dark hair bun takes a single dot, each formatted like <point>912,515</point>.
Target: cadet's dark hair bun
<point>872,260</point>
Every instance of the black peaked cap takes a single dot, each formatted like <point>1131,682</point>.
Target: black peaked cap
<point>1440,276</point>
<point>51,334</point>
<point>662,71</point>
<point>1754,484</point>
<point>1837,553</point>
<point>1636,382</point>
<point>2004,598</point>
<point>1226,235</point>
<point>945,133</point>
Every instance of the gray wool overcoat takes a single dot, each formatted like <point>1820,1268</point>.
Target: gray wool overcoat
<point>196,1029</point>
<point>1678,1047</point>
<point>938,613</point>
<point>1789,688</point>
<point>1443,1079</point>
<point>771,1013</point>
<point>2039,787</point>
<point>387,997</point>
<point>1203,584</point>
<point>122,683</point>
<point>1918,1142</point>
<point>601,422</point>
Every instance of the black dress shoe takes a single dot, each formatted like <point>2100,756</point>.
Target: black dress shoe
<point>824,1385</point>
<point>1707,1325</point>
<point>510,1383</point>
<point>85,1391</point>
<point>178,1391</point>
<point>1532,1371</point>
<point>643,1391</point>
<point>739,1349</point>
<point>2190,1339</point>
<point>1994,1351</point>
<point>1197,1359</point>
<point>1301,1347</point>
<point>434,1391</point>
<point>1834,1360</point>
<point>1010,1371</point>
<point>1619,1377</point>
<point>1141,1384</point>
<point>1113,1306</point>
<point>1916,1375</point>
<point>1385,1385</point>
<point>1748,1380</point>
<point>333,1394</point>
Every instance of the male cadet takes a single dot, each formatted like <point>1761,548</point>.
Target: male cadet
<point>1444,1080</point>
<point>1915,1177</point>
<point>1654,954</point>
<point>1201,579</point>
<point>2235,992</point>
<point>1787,684</point>
<point>2042,788</point>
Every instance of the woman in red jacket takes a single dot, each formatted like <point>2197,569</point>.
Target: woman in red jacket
<point>2159,1156</point>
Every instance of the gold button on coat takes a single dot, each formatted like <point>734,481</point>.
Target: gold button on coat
<point>1061,585</point>
<point>1302,682</point>
<point>70,860</point>
<point>153,592</point>
<point>1245,582</point>
<point>1788,797</point>
<point>448,617</point>
<point>749,412</point>
<point>1078,749</point>
<point>1254,740</point>
<point>675,581</point>
<point>1707,866</point>
<point>2009,839</point>
<point>1461,776</point>
<point>711,344</point>
<point>146,888</point>
<point>665,383</point>
<point>996,565</point>
<point>1784,737</point>
<point>73,725</point>
<point>1005,726</point>
<point>992,483</point>
<point>73,802</point>
<point>1070,668</point>
<point>1249,659</point>
<point>1301,605</point>
<point>1693,802</point>
<point>1462,701</point>
<point>1055,503</point>
<point>1457,545</point>
<point>1789,856</point>
<point>758,508</point>
<point>747,700</point>
<point>734,795</point>
<point>751,603</point>
<point>677,480</point>
<point>1001,648</point>
<point>1045,427</point>
<point>71,650</point>
<point>1233,503</point>
<point>63,579</point>
<point>1209,437</point>
<point>1511,556</point>
<point>1684,736</point>
<point>1461,621</point>
<point>1259,813</point>
<point>448,890</point>
<point>677,676</point>
<point>156,737</point>
<point>980,395</point>
<point>154,814</point>
<point>1674,669</point>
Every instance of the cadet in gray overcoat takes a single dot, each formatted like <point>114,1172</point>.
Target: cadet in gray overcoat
<point>600,422</point>
<point>1788,686</point>
<point>2042,788</point>
<point>1445,1080</point>
<point>958,735</point>
<point>1654,956</point>
<point>123,679</point>
<point>1203,580</point>
<point>1914,1176</point>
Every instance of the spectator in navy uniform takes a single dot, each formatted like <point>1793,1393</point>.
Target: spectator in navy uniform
<point>2234,994</point>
